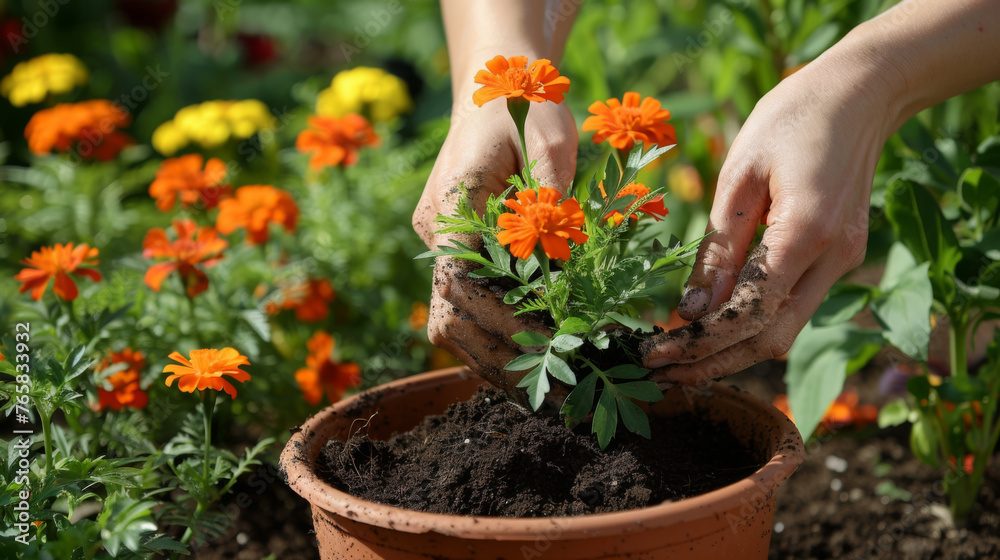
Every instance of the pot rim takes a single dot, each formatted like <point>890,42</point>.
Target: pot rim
<point>301,452</point>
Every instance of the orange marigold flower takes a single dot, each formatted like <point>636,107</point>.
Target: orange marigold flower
<point>514,77</point>
<point>184,178</point>
<point>125,389</point>
<point>58,261</point>
<point>653,207</point>
<point>335,141</point>
<point>253,208</point>
<point>310,300</point>
<point>623,123</point>
<point>844,411</point>
<point>323,373</point>
<point>193,247</point>
<point>205,370</point>
<point>91,127</point>
<point>538,216</point>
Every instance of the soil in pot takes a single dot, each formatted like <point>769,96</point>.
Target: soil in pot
<point>490,457</point>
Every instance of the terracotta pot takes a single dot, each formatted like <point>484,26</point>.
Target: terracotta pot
<point>733,522</point>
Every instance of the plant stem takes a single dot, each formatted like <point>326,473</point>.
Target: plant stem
<point>46,436</point>
<point>518,109</point>
<point>208,401</point>
<point>957,329</point>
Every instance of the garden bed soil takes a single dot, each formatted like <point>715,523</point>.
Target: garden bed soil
<point>490,457</point>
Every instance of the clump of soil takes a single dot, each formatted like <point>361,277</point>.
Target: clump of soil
<point>490,457</point>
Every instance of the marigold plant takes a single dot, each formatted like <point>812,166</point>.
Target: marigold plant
<point>125,389</point>
<point>539,216</point>
<point>254,208</point>
<point>324,374</point>
<point>33,80</point>
<point>514,78</point>
<point>184,178</point>
<point>333,141</point>
<point>370,91</point>
<point>88,127</point>
<point>58,262</point>
<point>211,124</point>
<point>195,248</point>
<point>310,299</point>
<point>589,296</point>
<point>206,370</point>
<point>623,123</point>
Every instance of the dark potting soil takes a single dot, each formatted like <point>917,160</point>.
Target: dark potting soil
<point>490,457</point>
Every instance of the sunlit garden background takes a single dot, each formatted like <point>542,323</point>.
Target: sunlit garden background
<point>192,153</point>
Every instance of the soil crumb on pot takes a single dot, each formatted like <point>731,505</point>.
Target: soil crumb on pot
<point>490,457</point>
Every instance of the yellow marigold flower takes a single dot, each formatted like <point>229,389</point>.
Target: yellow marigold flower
<point>33,80</point>
<point>212,124</point>
<point>371,91</point>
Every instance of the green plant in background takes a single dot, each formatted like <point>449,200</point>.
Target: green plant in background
<point>942,208</point>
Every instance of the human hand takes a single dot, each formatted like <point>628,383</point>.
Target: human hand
<point>803,165</point>
<point>467,316</point>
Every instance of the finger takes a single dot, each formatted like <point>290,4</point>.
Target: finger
<point>741,200</point>
<point>486,354</point>
<point>481,299</point>
<point>776,266</point>
<point>554,149</point>
<point>773,341</point>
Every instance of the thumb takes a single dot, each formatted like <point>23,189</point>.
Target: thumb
<point>739,205</point>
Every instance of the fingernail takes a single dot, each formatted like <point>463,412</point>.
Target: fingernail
<point>658,363</point>
<point>695,300</point>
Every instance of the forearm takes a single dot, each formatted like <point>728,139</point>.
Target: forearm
<point>920,53</point>
<point>478,30</point>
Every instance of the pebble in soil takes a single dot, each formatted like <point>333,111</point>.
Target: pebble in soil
<point>490,457</point>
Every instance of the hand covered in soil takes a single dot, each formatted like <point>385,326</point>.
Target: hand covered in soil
<point>468,317</point>
<point>803,165</point>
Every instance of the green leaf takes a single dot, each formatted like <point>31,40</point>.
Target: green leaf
<point>580,400</point>
<point>566,342</point>
<point>841,305</point>
<point>630,322</point>
<point>600,340</point>
<point>819,362</point>
<point>918,222</point>
<point>893,413</point>
<point>527,267</point>
<point>499,255</point>
<point>645,391</point>
<point>627,371</point>
<point>904,312</point>
<point>559,369</point>
<point>573,325</point>
<point>612,176</point>
<point>605,418</point>
<point>634,418</point>
<point>530,339</point>
<point>919,386</point>
<point>979,189</point>
<point>536,383</point>
<point>258,322</point>
<point>524,361</point>
<point>819,41</point>
<point>898,262</point>
<point>516,295</point>
<point>637,160</point>
<point>924,441</point>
